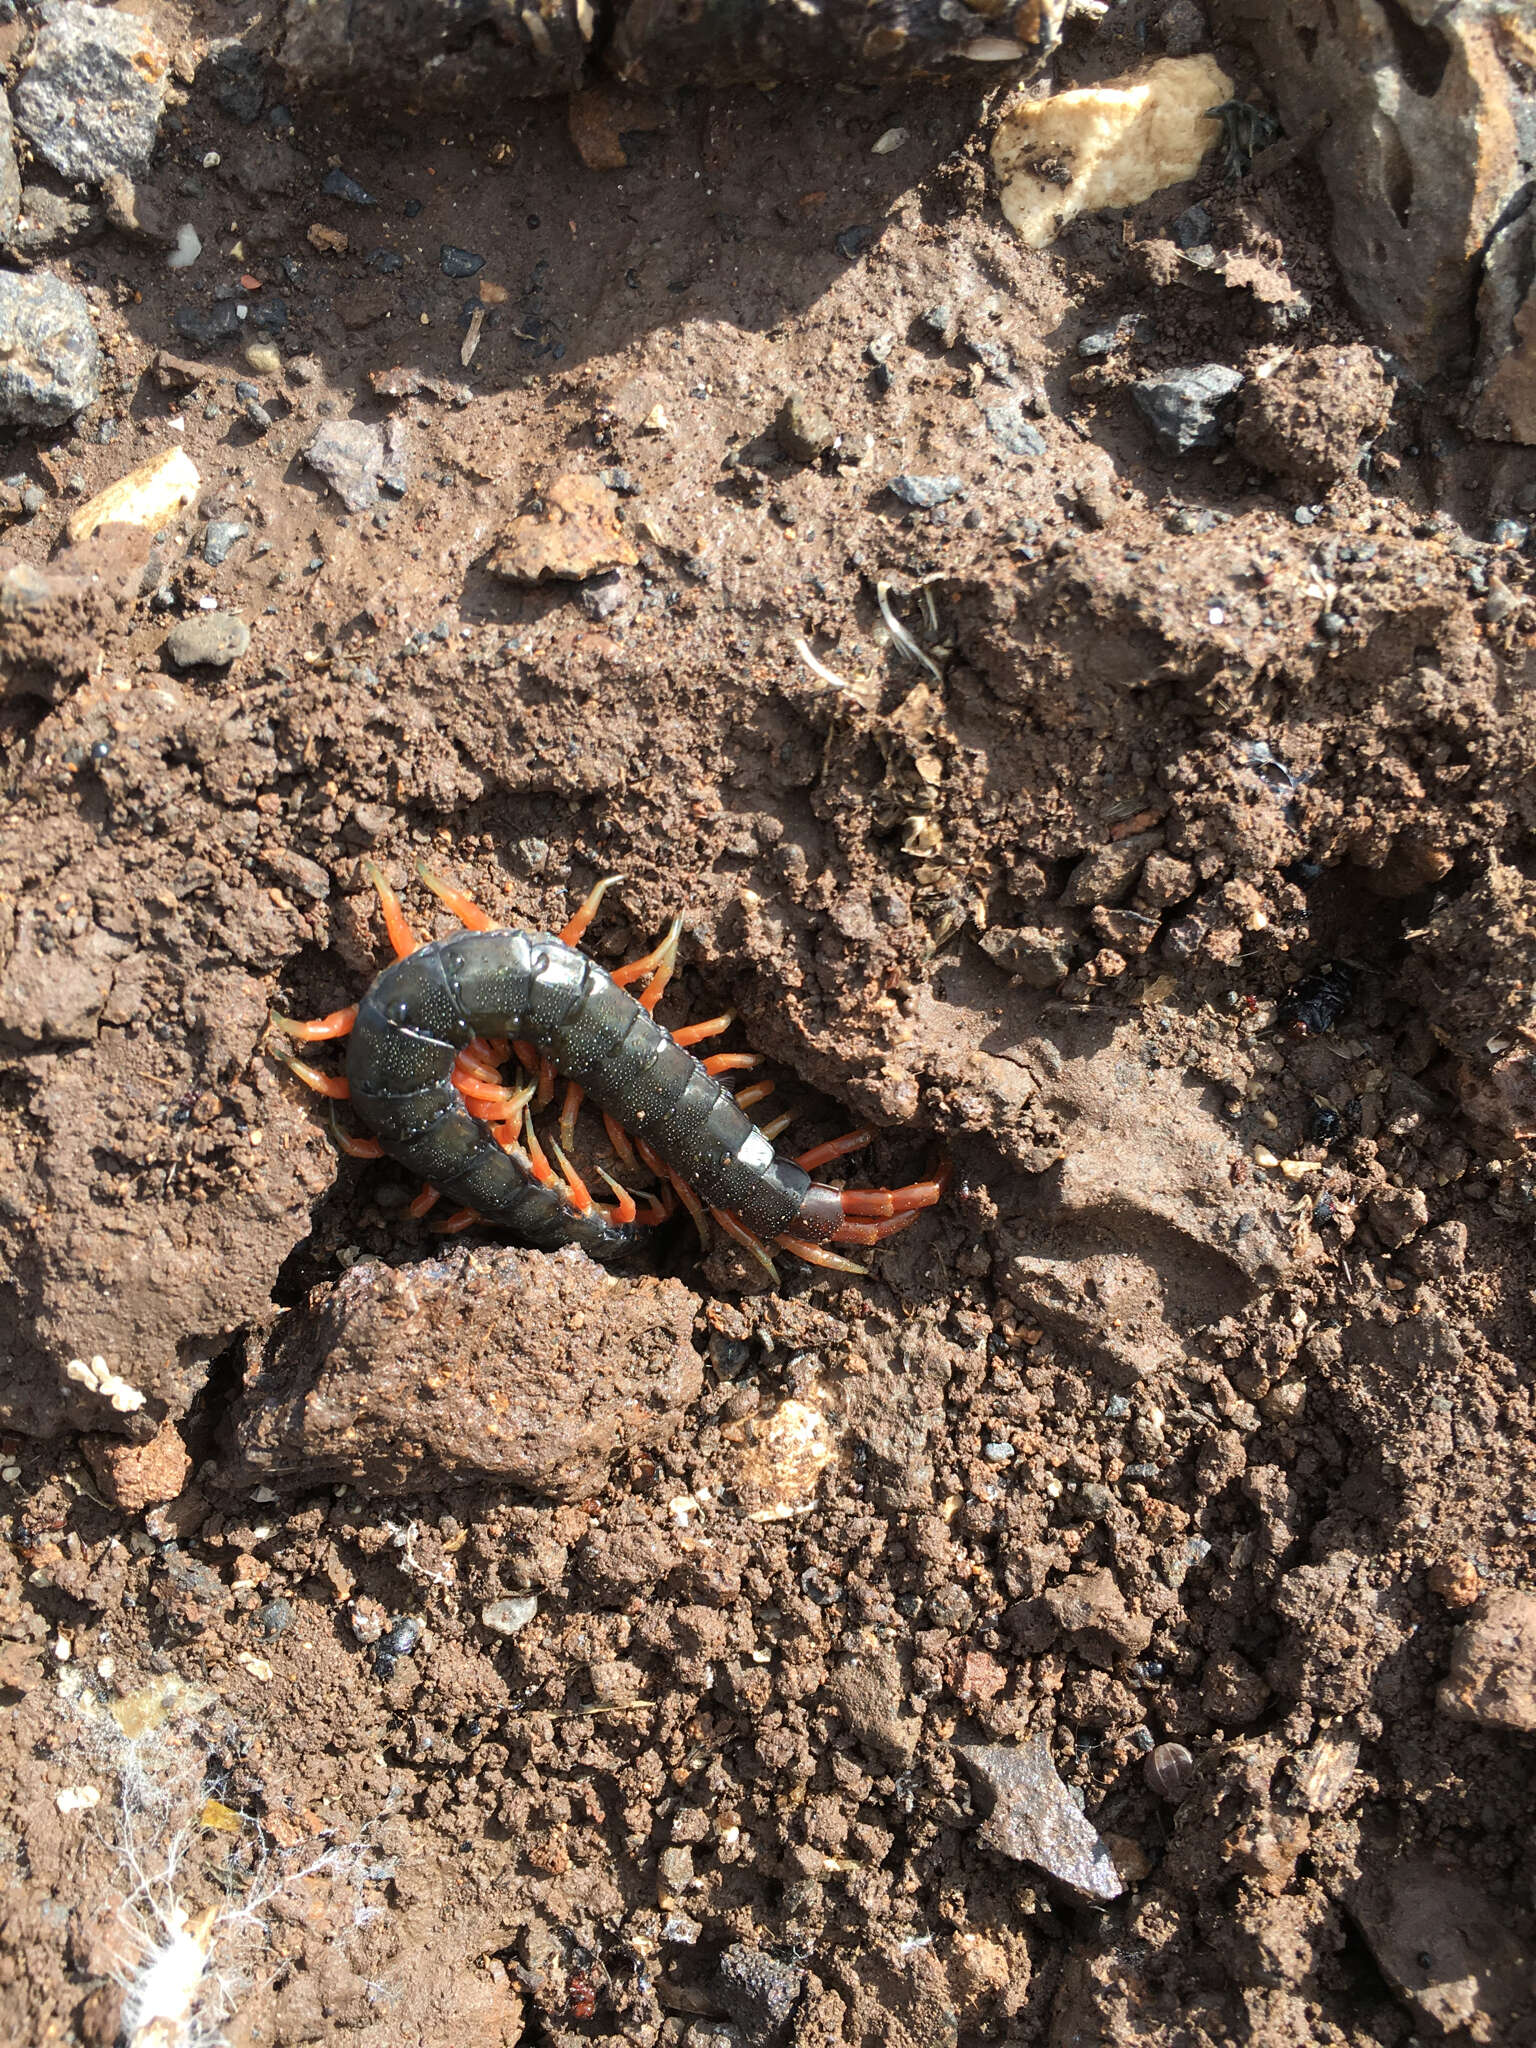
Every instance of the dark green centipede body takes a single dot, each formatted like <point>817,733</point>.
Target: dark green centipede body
<point>421,1013</point>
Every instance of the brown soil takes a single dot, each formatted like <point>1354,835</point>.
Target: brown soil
<point>1198,1413</point>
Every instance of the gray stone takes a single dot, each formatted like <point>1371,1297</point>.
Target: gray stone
<point>759,1992</point>
<point>1035,1819</point>
<point>50,223</point>
<point>924,492</point>
<point>50,365</point>
<point>357,458</point>
<point>211,640</point>
<point>1039,958</point>
<point>1414,116</point>
<point>1012,432</point>
<point>1184,409</point>
<point>10,177</point>
<point>92,94</point>
<point>219,536</point>
<point>602,596</point>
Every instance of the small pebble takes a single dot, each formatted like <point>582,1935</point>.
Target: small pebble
<point>219,536</point>
<point>924,492</point>
<point>187,250</point>
<point>387,262</point>
<point>1169,1771</point>
<point>997,1453</point>
<point>1510,533</point>
<point>1193,227</point>
<point>456,262</point>
<point>852,242</point>
<point>213,640</point>
<point>337,185</point>
<point>506,1617</point>
<point>263,358</point>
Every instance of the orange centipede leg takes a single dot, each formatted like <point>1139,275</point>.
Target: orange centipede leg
<point>461,1219</point>
<point>527,1055</point>
<point>575,928</point>
<point>918,1194</point>
<point>818,1255</point>
<point>690,1202</point>
<point>546,1094</point>
<point>464,908</point>
<point>745,1238</point>
<point>662,955</point>
<point>401,937</point>
<point>569,1111</point>
<point>314,1029</point>
<point>334,1085</point>
<point>758,1091</point>
<point>623,1210</point>
<point>618,1138</point>
<point>872,1233</point>
<point>354,1148</point>
<point>691,1034</point>
<point>538,1165</point>
<point>731,1062</point>
<point>576,1187</point>
<point>834,1148</point>
<point>424,1201</point>
<point>776,1126</point>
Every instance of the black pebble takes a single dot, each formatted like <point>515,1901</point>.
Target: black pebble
<point>387,262</point>
<point>1318,1001</point>
<point>458,262</point>
<point>337,185</point>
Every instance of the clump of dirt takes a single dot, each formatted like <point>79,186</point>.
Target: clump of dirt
<point>1178,1462</point>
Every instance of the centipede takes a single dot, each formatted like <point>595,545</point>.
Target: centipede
<point>462,1041</point>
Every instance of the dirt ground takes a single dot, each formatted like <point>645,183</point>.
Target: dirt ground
<point>482,1648</point>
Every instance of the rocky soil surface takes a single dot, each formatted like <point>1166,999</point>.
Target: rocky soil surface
<point>1079,699</point>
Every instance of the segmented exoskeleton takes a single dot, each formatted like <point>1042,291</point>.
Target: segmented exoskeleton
<point>427,1043</point>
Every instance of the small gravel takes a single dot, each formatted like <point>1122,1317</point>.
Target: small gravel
<point>924,492</point>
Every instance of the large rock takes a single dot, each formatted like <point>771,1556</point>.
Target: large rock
<point>91,97</point>
<point>1418,120</point>
<point>50,364</point>
<point>531,1368</point>
<point>1506,317</point>
<point>10,177</point>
